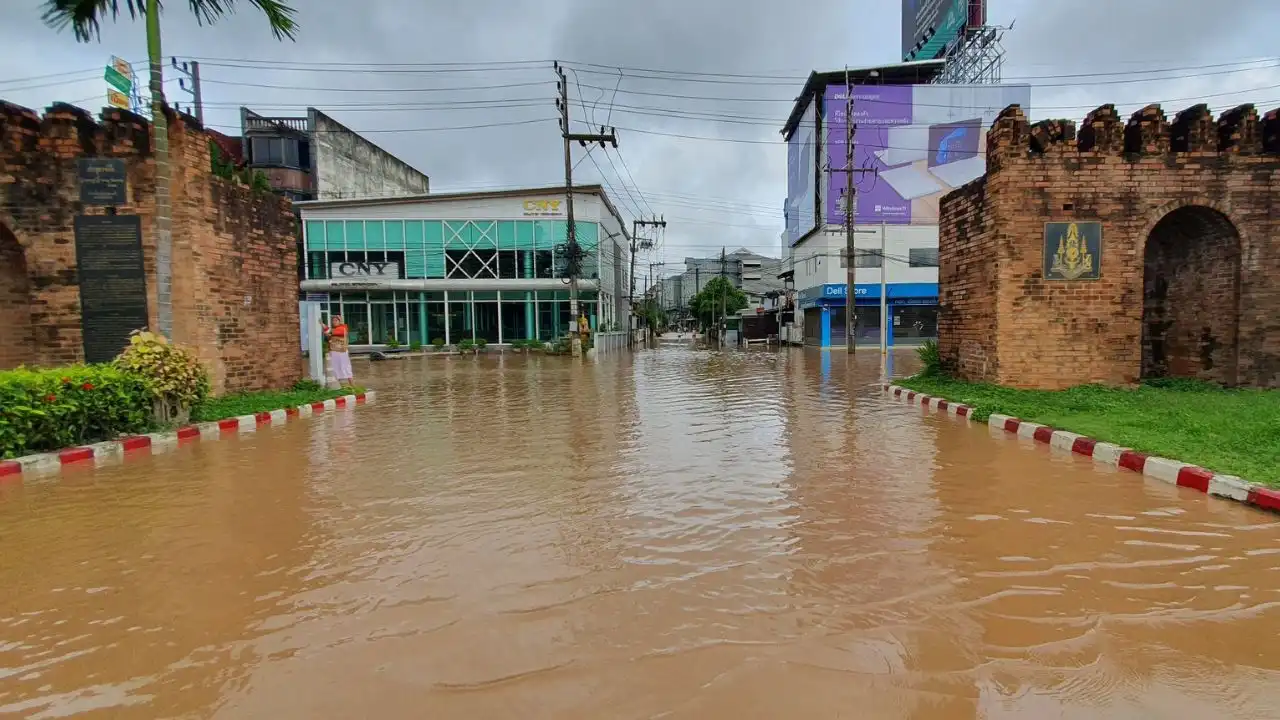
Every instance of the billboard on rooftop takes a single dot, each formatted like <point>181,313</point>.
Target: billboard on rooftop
<point>930,26</point>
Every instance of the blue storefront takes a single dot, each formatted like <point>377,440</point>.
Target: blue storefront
<point>913,313</point>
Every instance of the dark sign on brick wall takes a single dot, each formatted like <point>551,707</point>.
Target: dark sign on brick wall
<point>103,181</point>
<point>1072,250</point>
<point>113,282</point>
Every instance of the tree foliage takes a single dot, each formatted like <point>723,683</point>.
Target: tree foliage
<point>717,299</point>
<point>226,169</point>
<point>650,314</point>
<point>85,16</point>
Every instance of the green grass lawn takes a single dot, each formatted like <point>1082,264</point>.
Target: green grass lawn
<point>1230,431</point>
<point>249,403</point>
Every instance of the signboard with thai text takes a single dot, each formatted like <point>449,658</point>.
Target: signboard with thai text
<point>103,181</point>
<point>113,283</point>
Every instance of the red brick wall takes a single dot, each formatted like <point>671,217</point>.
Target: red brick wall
<point>1127,176</point>
<point>967,287</point>
<point>234,252</point>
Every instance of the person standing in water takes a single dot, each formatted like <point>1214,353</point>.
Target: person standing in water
<point>339,355</point>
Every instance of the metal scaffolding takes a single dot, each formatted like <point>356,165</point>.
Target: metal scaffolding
<point>976,58</point>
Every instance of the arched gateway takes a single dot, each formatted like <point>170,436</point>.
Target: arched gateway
<point>1191,296</point>
<point>1116,253</point>
<point>15,303</point>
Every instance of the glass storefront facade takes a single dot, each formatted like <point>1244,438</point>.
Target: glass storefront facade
<point>375,318</point>
<point>462,250</point>
<point>913,314</point>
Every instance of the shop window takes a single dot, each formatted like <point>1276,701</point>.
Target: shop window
<point>471,264</point>
<point>509,264</point>
<point>543,264</point>
<point>922,257</point>
<point>317,265</point>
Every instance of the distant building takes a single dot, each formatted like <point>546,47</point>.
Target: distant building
<point>755,274</point>
<point>315,157</point>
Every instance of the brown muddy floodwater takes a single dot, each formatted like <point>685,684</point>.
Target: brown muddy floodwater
<point>675,534</point>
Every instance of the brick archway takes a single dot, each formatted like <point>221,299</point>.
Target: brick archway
<point>18,347</point>
<point>1191,295</point>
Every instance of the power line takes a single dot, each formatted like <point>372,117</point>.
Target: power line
<point>633,182</point>
<point>666,75</point>
<point>623,183</point>
<point>1243,65</point>
<point>511,123</point>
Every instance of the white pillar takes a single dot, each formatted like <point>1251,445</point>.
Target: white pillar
<point>315,343</point>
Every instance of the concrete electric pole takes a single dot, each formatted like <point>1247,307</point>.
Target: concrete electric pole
<point>643,245</point>
<point>850,210</point>
<point>192,72</point>
<point>724,301</point>
<point>573,252</point>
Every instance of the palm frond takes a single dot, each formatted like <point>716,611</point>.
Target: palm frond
<point>280,15</point>
<point>85,17</point>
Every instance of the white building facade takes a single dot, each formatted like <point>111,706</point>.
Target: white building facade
<point>910,264</point>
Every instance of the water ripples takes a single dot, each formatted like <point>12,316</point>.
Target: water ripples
<point>675,534</point>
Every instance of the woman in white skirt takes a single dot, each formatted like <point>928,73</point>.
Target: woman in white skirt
<point>339,358</point>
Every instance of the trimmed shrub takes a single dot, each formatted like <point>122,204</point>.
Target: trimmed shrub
<point>47,410</point>
<point>173,374</point>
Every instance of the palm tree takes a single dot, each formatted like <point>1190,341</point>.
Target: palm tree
<point>85,18</point>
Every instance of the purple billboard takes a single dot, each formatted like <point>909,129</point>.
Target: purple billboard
<point>913,144</point>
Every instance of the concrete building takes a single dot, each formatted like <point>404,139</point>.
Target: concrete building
<point>916,141</point>
<point>755,274</point>
<point>315,157</point>
<point>455,266</point>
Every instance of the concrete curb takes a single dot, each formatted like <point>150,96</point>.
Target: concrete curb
<point>118,450</point>
<point>1169,471</point>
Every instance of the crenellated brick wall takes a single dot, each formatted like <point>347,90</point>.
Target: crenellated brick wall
<point>234,252</point>
<point>1189,282</point>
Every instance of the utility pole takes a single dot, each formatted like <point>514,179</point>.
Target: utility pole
<point>658,295</point>
<point>697,288</point>
<point>645,244</point>
<point>884,304</point>
<point>192,72</point>
<point>573,252</point>
<point>724,301</point>
<point>850,210</point>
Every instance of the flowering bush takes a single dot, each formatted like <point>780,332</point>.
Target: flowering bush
<point>172,374</point>
<point>44,410</point>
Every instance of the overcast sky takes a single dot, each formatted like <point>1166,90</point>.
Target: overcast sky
<point>724,184</point>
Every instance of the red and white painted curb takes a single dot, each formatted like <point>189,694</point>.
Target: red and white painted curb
<point>115,450</point>
<point>1170,471</point>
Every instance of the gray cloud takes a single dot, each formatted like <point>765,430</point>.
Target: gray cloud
<point>713,192</point>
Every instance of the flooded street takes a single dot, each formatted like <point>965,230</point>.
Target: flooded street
<point>674,534</point>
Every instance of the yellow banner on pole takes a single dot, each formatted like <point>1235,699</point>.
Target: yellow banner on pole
<point>115,98</point>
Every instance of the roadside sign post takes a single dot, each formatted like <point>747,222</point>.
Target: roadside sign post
<point>119,78</point>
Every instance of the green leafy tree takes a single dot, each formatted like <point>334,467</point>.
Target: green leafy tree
<point>651,315</point>
<point>85,17</point>
<point>715,301</point>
